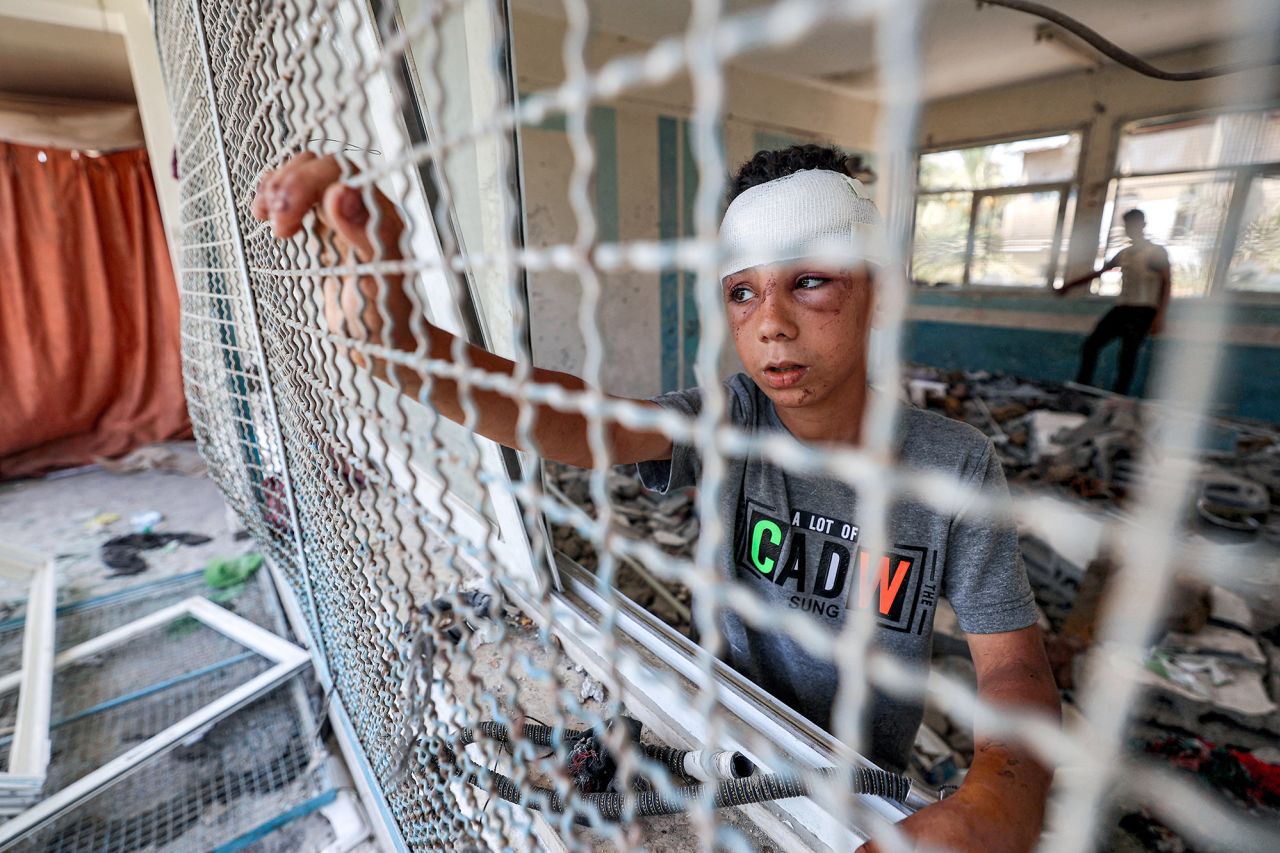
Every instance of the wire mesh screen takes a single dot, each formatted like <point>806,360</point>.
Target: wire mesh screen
<point>356,292</point>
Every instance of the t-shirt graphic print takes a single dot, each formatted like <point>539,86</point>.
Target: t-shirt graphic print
<point>812,557</point>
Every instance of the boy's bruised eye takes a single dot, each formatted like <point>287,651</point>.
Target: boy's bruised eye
<point>740,293</point>
<point>810,282</point>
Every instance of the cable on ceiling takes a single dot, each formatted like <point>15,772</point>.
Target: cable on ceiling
<point>1119,54</point>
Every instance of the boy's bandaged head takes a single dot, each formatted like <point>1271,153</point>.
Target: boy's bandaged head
<point>815,213</point>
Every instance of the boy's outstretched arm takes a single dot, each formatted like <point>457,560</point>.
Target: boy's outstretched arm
<point>378,309</point>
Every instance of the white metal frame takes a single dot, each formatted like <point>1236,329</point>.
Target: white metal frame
<point>1066,188</point>
<point>287,658</point>
<point>661,705</point>
<point>23,779</point>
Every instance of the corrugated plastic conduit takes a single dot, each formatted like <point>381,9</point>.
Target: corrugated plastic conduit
<point>728,792</point>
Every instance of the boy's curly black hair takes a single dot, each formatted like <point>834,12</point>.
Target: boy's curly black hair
<point>767,166</point>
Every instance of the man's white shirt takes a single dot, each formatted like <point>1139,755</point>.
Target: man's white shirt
<point>1142,265</point>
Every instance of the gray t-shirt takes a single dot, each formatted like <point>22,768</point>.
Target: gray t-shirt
<point>795,540</point>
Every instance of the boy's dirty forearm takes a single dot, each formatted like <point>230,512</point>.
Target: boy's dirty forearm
<point>359,310</point>
<point>1005,775</point>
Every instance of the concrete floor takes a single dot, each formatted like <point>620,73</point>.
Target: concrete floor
<point>54,516</point>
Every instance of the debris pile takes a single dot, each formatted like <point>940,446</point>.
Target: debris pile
<point>1211,699</point>
<point>668,521</point>
<point>1210,703</point>
<point>1089,444</point>
<point>1042,431</point>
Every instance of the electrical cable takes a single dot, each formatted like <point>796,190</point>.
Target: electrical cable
<point>1119,54</point>
<point>728,792</point>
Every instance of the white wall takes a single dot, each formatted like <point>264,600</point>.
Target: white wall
<point>756,106</point>
<point>132,20</point>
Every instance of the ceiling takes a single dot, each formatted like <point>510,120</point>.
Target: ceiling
<point>49,60</point>
<point>965,48</point>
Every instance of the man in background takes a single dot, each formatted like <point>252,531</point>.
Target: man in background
<point>1145,283</point>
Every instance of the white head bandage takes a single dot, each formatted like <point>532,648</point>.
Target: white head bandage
<point>816,213</point>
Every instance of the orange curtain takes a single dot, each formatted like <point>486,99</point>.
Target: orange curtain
<point>89,319</point>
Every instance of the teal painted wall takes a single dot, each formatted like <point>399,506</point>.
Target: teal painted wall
<point>677,190</point>
<point>1249,384</point>
<point>671,281</point>
<point>1033,353</point>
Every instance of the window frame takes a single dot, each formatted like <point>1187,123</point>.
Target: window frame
<point>1068,189</point>
<point>1231,225</point>
<point>662,706</point>
<point>1239,177</point>
<point>504,531</point>
<point>1064,190</point>
<point>285,658</point>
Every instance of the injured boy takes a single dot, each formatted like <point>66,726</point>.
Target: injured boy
<point>800,316</point>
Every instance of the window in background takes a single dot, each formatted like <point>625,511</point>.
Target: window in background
<point>942,232</point>
<point>994,214</point>
<point>1208,187</point>
<point>1255,264</point>
<point>1014,235</point>
<point>1185,212</point>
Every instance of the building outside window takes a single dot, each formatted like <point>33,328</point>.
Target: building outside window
<point>1210,188</point>
<point>994,214</point>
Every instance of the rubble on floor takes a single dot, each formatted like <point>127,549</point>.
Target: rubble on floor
<point>668,521</point>
<point>1217,684</point>
<point>1209,700</point>
<point>1212,675</point>
<point>1251,781</point>
<point>1088,442</point>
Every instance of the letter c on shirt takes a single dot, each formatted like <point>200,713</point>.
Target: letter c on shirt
<point>765,565</point>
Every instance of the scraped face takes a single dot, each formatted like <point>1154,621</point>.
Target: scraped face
<point>796,254</point>
<point>801,328</point>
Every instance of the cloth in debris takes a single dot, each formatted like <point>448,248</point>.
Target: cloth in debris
<point>1234,771</point>
<point>795,541</point>
<point>1265,778</point>
<point>123,554</point>
<point>226,572</point>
